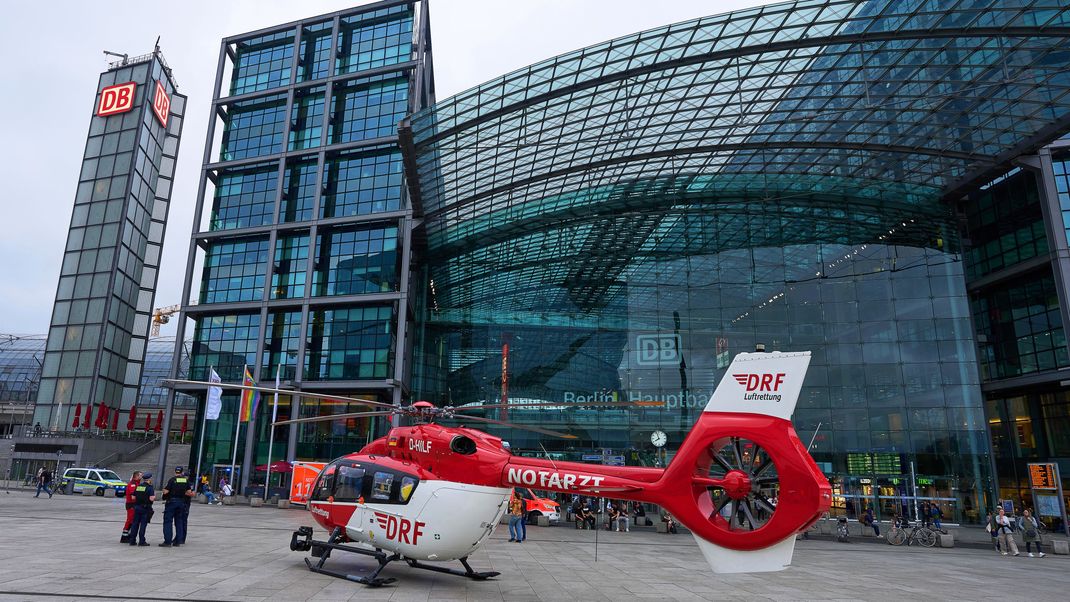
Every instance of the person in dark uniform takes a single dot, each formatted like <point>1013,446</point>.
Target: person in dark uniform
<point>144,496</point>
<point>176,495</point>
<point>135,480</point>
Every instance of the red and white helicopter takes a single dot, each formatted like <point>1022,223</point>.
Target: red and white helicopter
<point>742,482</point>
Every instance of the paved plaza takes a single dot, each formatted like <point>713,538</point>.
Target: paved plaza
<point>66,548</point>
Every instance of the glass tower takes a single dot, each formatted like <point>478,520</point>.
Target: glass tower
<point>100,323</point>
<point>299,260</point>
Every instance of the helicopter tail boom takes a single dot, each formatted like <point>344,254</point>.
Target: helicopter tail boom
<point>742,481</point>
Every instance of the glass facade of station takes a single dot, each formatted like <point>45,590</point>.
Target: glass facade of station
<point>616,223</point>
<point>100,322</point>
<point>302,238</point>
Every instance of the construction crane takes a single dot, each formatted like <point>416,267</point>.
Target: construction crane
<point>162,315</point>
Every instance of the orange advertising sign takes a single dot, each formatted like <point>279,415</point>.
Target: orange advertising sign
<point>304,477</point>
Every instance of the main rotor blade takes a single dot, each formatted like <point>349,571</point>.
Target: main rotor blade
<point>332,417</point>
<point>543,404</point>
<point>518,426</point>
<point>328,396</point>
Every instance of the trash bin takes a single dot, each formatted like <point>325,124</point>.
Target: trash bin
<point>68,487</point>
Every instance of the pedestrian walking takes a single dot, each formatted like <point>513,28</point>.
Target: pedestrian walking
<point>177,494</point>
<point>44,482</point>
<point>1006,532</point>
<point>993,530</point>
<point>135,480</point>
<point>144,496</point>
<point>1031,533</point>
<point>516,517</point>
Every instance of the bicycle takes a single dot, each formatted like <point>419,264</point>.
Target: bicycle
<point>919,533</point>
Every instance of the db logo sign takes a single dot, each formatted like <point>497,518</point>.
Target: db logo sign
<point>116,99</point>
<point>161,104</point>
<point>656,349</point>
<point>760,382</point>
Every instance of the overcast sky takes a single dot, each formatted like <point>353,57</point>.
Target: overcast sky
<point>53,56</point>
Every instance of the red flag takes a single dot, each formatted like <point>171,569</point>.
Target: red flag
<point>185,425</point>
<point>159,422</point>
<point>115,419</point>
<point>130,421</point>
<point>148,423</point>
<point>77,416</point>
<point>99,422</point>
<point>85,419</point>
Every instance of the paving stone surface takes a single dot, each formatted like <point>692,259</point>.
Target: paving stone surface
<point>66,548</point>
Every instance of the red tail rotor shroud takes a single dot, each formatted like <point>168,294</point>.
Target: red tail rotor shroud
<point>683,488</point>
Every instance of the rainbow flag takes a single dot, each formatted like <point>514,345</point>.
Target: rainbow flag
<point>249,399</point>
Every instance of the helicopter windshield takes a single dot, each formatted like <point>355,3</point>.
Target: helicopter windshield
<point>353,481</point>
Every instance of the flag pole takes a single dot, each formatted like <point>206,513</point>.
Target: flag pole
<point>271,430</point>
<point>237,429</point>
<point>200,446</point>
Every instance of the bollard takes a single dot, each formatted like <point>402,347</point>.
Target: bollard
<point>284,504</point>
<point>1060,546</point>
<point>202,499</point>
<point>229,500</point>
<point>946,540</point>
<point>256,502</point>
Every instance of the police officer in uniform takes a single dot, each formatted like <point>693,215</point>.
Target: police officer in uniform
<point>176,494</point>
<point>144,495</point>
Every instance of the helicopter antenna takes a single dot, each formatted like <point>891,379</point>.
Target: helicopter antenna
<point>552,463</point>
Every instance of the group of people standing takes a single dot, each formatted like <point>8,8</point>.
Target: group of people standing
<point>177,495</point>
<point>1003,527</point>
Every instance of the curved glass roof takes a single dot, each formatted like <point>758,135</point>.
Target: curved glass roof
<point>892,105</point>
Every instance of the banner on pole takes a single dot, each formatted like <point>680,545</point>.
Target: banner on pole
<point>215,398</point>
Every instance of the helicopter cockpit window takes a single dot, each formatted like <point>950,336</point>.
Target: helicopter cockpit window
<point>381,486</point>
<point>408,484</point>
<point>324,485</point>
<point>349,482</point>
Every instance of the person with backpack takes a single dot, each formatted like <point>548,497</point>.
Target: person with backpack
<point>1006,532</point>
<point>1031,533</point>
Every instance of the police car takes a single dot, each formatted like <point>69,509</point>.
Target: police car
<point>97,480</point>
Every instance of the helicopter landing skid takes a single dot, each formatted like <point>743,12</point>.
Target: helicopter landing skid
<point>322,550</point>
<point>467,572</point>
<point>301,541</point>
